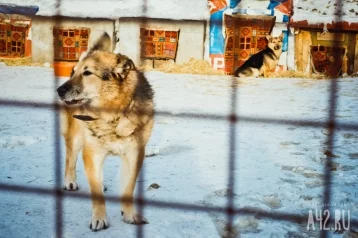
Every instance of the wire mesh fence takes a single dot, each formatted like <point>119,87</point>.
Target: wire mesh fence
<point>234,159</point>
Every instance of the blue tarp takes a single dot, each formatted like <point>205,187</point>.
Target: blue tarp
<point>285,41</point>
<point>15,9</point>
<point>233,3</point>
<point>217,40</point>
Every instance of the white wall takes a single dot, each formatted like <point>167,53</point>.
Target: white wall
<point>42,38</point>
<point>190,45</point>
<point>207,42</point>
<point>191,37</point>
<point>291,50</point>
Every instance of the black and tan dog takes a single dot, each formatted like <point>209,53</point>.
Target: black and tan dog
<point>109,111</point>
<point>264,61</point>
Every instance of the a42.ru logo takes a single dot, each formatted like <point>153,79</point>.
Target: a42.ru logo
<point>337,220</point>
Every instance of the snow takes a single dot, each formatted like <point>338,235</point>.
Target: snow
<point>253,5</point>
<point>325,11</point>
<point>113,9</point>
<point>279,168</point>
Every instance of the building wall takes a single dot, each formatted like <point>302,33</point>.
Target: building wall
<point>291,50</point>
<point>207,42</point>
<point>42,38</point>
<point>190,45</point>
<point>278,29</point>
<point>191,37</point>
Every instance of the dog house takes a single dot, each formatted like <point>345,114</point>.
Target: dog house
<point>326,43</point>
<point>330,53</point>
<point>238,30</point>
<point>245,36</point>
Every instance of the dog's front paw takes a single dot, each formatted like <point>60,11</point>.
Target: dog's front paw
<point>98,223</point>
<point>70,186</point>
<point>134,218</point>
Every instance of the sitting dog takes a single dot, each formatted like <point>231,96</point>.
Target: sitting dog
<point>264,61</point>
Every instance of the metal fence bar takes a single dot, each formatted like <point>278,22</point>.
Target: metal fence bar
<point>206,116</point>
<point>230,210</point>
<point>232,158</point>
<point>162,204</point>
<point>58,176</point>
<point>140,233</point>
<point>57,143</point>
<point>331,125</point>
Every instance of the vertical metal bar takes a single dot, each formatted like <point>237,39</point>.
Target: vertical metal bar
<point>331,125</point>
<point>140,233</point>
<point>232,158</point>
<point>58,174</point>
<point>57,144</point>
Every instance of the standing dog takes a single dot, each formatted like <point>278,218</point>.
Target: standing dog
<point>263,61</point>
<point>109,111</point>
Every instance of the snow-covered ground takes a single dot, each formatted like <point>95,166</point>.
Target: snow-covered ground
<point>279,168</point>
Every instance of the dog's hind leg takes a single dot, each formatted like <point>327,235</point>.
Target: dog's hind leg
<point>93,162</point>
<point>72,132</point>
<point>131,164</point>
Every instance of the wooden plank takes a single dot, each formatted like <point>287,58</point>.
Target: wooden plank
<point>356,56</point>
<point>351,45</point>
<point>306,48</point>
<point>298,51</point>
<point>330,36</point>
<point>345,63</point>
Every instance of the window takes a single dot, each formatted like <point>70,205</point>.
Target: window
<point>159,44</point>
<point>12,39</point>
<point>70,43</point>
<point>245,43</point>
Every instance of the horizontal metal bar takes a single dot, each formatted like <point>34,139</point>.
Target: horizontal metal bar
<point>291,217</point>
<point>203,116</point>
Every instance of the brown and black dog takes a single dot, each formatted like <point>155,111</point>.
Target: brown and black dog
<point>109,111</point>
<point>264,61</point>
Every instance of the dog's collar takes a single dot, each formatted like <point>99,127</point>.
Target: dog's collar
<point>84,118</point>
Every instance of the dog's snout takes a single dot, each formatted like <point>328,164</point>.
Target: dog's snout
<point>63,89</point>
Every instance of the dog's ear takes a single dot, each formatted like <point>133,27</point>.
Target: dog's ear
<point>281,36</point>
<point>123,67</point>
<point>83,55</point>
<point>268,37</point>
<point>103,43</point>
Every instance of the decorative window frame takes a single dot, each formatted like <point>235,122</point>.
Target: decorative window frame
<point>69,43</point>
<point>13,39</point>
<point>159,43</point>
